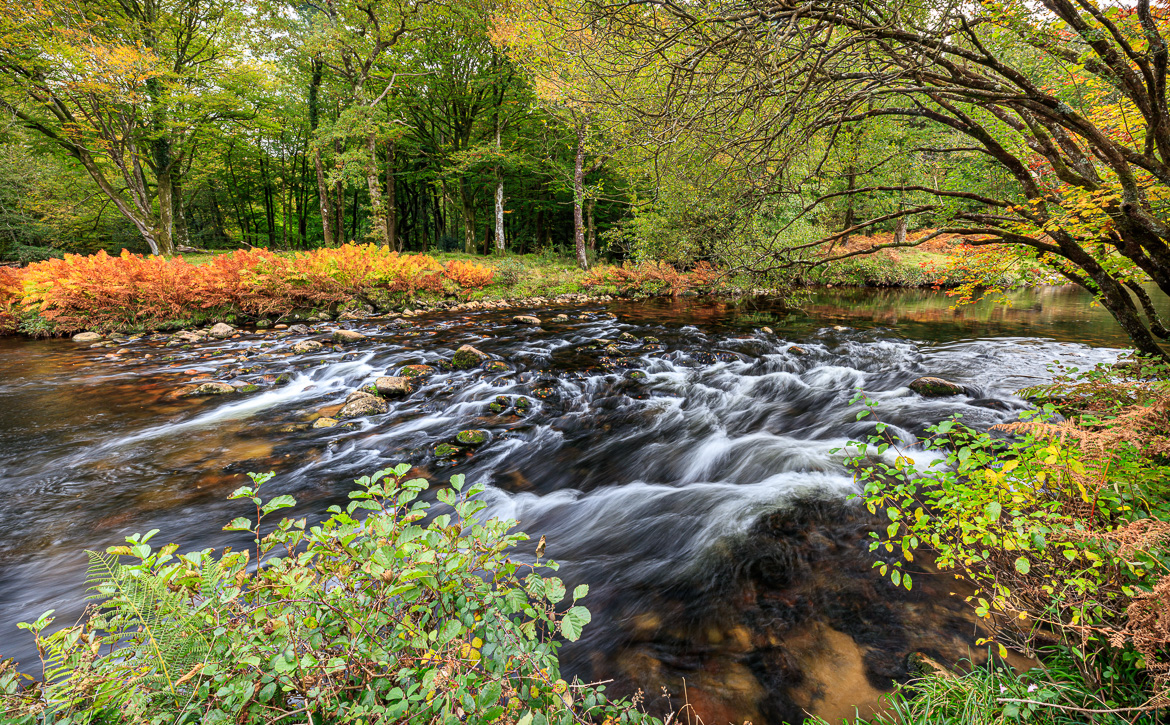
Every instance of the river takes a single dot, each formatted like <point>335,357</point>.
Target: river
<point>687,474</point>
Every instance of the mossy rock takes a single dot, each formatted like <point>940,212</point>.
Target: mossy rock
<point>416,371</point>
<point>651,340</point>
<point>932,387</point>
<point>262,324</point>
<point>283,379</point>
<point>627,337</point>
<point>636,375</point>
<point>497,366</point>
<point>467,357</point>
<point>445,365</point>
<point>471,437</point>
<point>446,450</point>
<point>249,388</point>
<point>497,408</point>
<point>523,403</point>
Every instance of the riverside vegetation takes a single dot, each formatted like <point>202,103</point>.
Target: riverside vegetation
<point>1062,527</point>
<point>397,617</point>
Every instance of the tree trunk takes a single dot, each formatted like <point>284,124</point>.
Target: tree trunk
<point>166,208</point>
<point>327,215</point>
<point>468,212</point>
<point>900,231</point>
<point>499,193</point>
<point>178,209</point>
<point>592,226</point>
<point>379,224</point>
<point>578,198</point>
<point>392,198</point>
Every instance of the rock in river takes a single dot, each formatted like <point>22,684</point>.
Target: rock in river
<point>526,319</point>
<point>363,405</point>
<point>471,437</point>
<point>344,336</point>
<point>392,386</point>
<point>325,422</point>
<point>212,388</point>
<point>87,337</point>
<point>416,371</point>
<point>305,346</point>
<point>931,387</point>
<point>468,357</point>
<point>222,331</point>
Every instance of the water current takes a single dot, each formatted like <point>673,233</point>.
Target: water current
<point>677,458</point>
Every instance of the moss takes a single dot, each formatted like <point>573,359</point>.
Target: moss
<point>471,437</point>
<point>523,403</point>
<point>496,366</point>
<point>446,450</point>
<point>416,371</point>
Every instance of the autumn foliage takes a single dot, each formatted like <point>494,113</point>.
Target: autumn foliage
<point>105,292</point>
<point>654,277</point>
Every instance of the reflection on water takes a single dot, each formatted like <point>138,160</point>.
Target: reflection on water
<point>688,474</point>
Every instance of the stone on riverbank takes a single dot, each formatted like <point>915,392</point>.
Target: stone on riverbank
<point>526,319</point>
<point>392,386</point>
<point>932,387</point>
<point>222,331</point>
<point>347,336</point>
<point>87,337</point>
<point>468,357</point>
<point>305,346</point>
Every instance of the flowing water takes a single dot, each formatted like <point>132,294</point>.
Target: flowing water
<point>688,475</point>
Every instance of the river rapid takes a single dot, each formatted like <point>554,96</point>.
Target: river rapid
<point>678,459</point>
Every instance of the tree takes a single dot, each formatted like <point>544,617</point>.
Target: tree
<point>128,90</point>
<point>1056,109</point>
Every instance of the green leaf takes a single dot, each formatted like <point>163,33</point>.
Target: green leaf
<point>554,589</point>
<point>993,510</point>
<point>1023,565</point>
<point>574,621</point>
<point>239,524</point>
<point>580,591</point>
<point>280,502</point>
<point>896,577</point>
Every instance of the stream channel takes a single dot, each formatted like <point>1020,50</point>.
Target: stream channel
<point>687,474</point>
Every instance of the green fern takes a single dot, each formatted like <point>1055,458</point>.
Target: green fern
<point>163,630</point>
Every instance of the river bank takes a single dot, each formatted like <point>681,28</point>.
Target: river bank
<point>132,294</point>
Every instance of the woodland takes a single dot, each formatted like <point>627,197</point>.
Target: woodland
<point>169,164</point>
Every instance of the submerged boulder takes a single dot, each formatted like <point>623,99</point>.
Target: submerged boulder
<point>468,357</point>
<point>526,319</point>
<point>389,386</point>
<point>87,337</point>
<point>365,404</point>
<point>325,422</point>
<point>932,387</point>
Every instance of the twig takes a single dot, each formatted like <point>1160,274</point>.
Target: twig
<point>1143,708</point>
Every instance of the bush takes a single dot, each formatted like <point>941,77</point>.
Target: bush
<point>653,278</point>
<point>1062,526</point>
<point>400,617</point>
<point>101,292</point>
